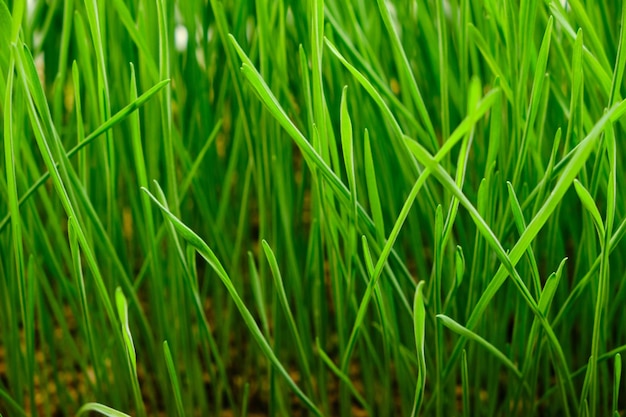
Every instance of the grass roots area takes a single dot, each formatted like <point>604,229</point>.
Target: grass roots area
<point>312,208</point>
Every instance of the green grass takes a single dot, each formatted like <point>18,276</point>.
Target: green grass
<point>320,208</point>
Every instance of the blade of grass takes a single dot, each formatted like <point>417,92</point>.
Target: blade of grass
<point>465,384</point>
<point>175,384</point>
<point>192,286</point>
<point>342,376</point>
<point>101,409</point>
<point>131,355</point>
<point>617,377</point>
<point>372,189</point>
<point>463,331</point>
<point>11,152</point>
<point>520,222</point>
<point>589,204</point>
<point>419,326</point>
<point>602,297</point>
<point>203,249</point>
<point>284,302</point>
<point>84,302</point>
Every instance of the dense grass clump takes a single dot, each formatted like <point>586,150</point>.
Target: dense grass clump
<point>294,208</point>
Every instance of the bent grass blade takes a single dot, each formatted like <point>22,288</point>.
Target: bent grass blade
<point>205,251</point>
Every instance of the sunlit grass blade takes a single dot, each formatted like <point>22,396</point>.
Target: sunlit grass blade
<point>419,324</point>
<point>264,93</point>
<point>11,153</point>
<point>100,409</point>
<point>348,149</point>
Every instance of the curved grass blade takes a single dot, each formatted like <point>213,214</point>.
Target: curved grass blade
<point>589,204</point>
<point>101,409</point>
<point>464,331</point>
<point>343,377</point>
<point>131,355</point>
<point>186,259</point>
<point>602,295</point>
<point>203,249</point>
<point>282,298</point>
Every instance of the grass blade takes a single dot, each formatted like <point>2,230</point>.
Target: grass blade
<point>203,249</point>
<point>171,370</point>
<point>463,331</point>
<point>419,324</point>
